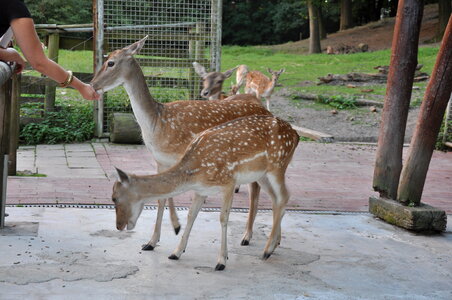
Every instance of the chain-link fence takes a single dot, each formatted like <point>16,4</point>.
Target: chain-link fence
<point>180,32</point>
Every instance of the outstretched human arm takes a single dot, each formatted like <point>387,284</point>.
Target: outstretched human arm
<point>28,41</point>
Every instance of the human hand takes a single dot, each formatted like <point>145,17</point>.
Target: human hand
<point>88,92</point>
<point>13,56</point>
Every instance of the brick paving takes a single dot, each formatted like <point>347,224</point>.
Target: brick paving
<point>332,177</point>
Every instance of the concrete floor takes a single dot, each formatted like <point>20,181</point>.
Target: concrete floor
<point>70,253</point>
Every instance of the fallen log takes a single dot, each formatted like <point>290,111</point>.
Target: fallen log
<point>124,129</point>
<point>359,102</point>
<point>315,135</point>
<point>380,77</point>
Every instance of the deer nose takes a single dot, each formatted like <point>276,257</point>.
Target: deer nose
<point>204,93</point>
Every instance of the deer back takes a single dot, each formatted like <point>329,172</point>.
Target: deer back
<point>240,151</point>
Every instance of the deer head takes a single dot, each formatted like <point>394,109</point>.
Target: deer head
<point>275,74</point>
<point>115,69</point>
<point>212,81</point>
<point>128,204</point>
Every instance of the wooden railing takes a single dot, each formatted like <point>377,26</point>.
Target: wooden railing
<point>9,129</point>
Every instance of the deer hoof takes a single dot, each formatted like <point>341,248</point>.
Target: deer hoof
<point>219,267</point>
<point>237,189</point>
<point>266,255</point>
<point>147,247</point>
<point>177,229</point>
<point>173,257</point>
<point>245,243</point>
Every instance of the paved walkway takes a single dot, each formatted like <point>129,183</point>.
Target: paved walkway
<point>332,177</point>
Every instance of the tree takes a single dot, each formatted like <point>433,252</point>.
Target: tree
<point>60,11</point>
<point>314,28</point>
<point>346,15</point>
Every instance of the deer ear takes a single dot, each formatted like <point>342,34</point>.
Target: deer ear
<point>122,176</point>
<point>199,69</point>
<point>228,73</point>
<point>136,47</point>
<point>281,71</point>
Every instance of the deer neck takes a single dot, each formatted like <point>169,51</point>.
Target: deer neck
<point>270,87</point>
<point>145,108</point>
<point>163,185</point>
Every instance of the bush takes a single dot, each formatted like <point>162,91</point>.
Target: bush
<point>68,124</point>
<point>338,102</point>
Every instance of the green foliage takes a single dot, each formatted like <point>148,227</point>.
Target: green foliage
<point>60,11</point>
<point>439,141</point>
<point>69,123</point>
<point>338,101</point>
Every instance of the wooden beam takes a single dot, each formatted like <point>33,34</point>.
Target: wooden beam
<point>14,127</point>
<point>388,165</point>
<point>315,135</point>
<point>54,48</point>
<point>430,117</point>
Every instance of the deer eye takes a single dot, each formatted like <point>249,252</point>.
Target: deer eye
<point>111,63</point>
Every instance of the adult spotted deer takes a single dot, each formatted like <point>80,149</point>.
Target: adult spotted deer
<point>167,129</point>
<point>257,83</point>
<point>248,149</point>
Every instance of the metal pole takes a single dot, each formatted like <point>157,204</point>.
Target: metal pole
<point>216,28</point>
<point>98,46</point>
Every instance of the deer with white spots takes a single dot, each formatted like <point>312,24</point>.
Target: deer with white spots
<point>257,83</point>
<point>212,83</point>
<point>248,149</point>
<point>168,128</point>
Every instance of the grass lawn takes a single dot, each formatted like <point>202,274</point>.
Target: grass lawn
<point>299,68</point>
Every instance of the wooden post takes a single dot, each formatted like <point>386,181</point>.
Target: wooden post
<point>14,130</point>
<point>54,47</point>
<point>388,163</point>
<point>5,111</point>
<point>429,122</point>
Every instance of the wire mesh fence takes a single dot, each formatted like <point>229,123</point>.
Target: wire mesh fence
<point>180,32</point>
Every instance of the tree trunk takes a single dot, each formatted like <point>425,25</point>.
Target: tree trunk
<point>429,122</point>
<point>444,11</point>
<point>322,25</point>
<point>314,28</point>
<point>388,163</point>
<point>346,15</point>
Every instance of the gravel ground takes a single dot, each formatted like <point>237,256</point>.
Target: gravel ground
<point>354,125</point>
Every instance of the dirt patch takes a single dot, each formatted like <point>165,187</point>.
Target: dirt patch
<point>354,125</point>
<point>360,124</point>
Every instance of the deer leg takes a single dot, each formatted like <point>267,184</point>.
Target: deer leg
<point>173,215</point>
<point>224,218</point>
<point>157,228</point>
<point>254,190</point>
<point>280,200</point>
<point>196,205</point>
<point>172,209</point>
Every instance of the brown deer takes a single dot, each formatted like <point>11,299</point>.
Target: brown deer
<point>212,81</point>
<point>257,83</point>
<point>213,85</point>
<point>168,128</point>
<point>245,150</point>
